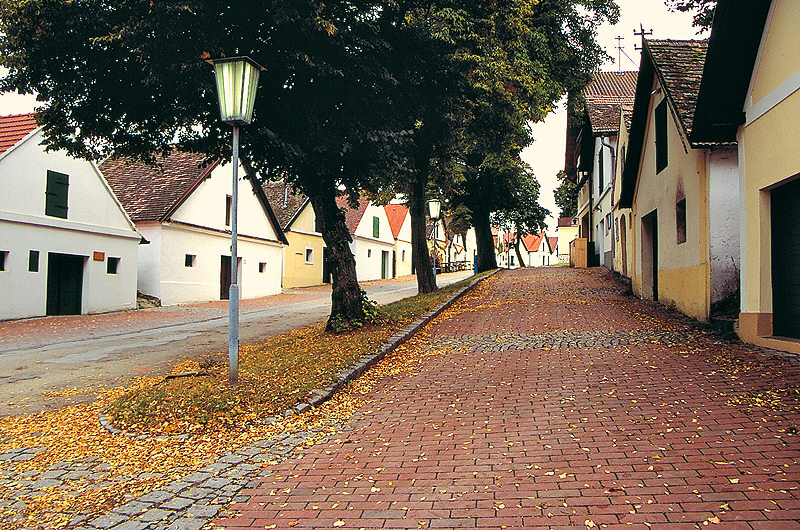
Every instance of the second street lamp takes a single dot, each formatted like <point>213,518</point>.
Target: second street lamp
<point>434,211</point>
<point>237,82</point>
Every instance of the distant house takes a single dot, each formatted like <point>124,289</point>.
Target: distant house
<point>373,242</point>
<point>680,192</point>
<point>623,217</point>
<point>590,158</point>
<point>66,244</point>
<point>750,94</point>
<point>566,231</point>
<point>400,224</point>
<point>184,209</point>
<point>539,250</point>
<point>305,260</point>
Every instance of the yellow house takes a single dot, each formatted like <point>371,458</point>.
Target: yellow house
<point>304,262</point>
<point>566,231</point>
<point>623,217</point>
<point>686,241</point>
<point>751,94</point>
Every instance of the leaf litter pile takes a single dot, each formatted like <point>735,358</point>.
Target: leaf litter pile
<point>98,471</point>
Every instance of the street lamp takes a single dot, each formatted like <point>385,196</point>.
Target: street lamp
<point>434,211</point>
<point>237,82</point>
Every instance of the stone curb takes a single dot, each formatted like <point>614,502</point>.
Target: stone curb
<point>321,395</point>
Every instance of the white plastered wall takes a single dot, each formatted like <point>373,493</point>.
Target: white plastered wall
<point>723,218</point>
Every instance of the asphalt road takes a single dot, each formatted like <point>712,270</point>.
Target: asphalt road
<point>90,352</point>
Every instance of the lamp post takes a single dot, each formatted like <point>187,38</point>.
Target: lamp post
<point>434,211</point>
<point>237,82</point>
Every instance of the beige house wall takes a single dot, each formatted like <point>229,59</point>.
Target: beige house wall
<point>769,157</point>
<point>683,268</point>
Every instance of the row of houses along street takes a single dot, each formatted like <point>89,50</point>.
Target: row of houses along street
<point>687,172</point>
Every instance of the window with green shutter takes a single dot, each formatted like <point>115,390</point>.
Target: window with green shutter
<point>56,194</point>
<point>376,227</point>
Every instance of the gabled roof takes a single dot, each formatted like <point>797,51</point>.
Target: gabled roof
<point>732,50</point>
<point>553,243</point>
<point>610,84</point>
<point>678,66</point>
<point>566,221</point>
<point>154,193</point>
<point>352,216</point>
<point>532,242</point>
<point>285,202</point>
<point>397,215</point>
<point>14,128</point>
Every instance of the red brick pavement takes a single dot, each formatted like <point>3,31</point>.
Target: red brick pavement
<point>635,436</point>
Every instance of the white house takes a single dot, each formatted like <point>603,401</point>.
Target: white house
<point>400,223</point>
<point>184,209</point>
<point>539,250</point>
<point>373,243</point>
<point>66,244</point>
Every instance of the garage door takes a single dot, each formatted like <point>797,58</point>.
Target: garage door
<point>786,260</point>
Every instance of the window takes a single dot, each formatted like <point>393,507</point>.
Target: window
<point>661,136</point>
<point>112,265</point>
<point>680,220</point>
<point>376,227</point>
<point>33,261</point>
<point>189,260</point>
<point>262,267</point>
<point>616,227</point>
<point>309,256</point>
<point>228,201</point>
<point>608,223</point>
<point>3,257</point>
<point>55,203</point>
<point>600,169</point>
<point>403,256</point>
<point>369,252</point>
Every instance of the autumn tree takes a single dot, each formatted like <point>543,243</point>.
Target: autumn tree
<point>523,213</point>
<point>566,195</point>
<point>129,78</point>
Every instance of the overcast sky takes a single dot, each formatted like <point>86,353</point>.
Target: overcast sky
<point>546,155</point>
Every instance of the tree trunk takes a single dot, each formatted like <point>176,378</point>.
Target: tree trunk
<point>483,239</point>
<point>419,241</point>
<point>517,238</point>
<point>346,294</point>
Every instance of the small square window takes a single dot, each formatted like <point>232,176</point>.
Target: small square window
<point>33,261</point>
<point>112,265</point>
<point>309,255</point>
<point>190,260</point>
<point>680,220</point>
<point>262,267</point>
<point>3,258</point>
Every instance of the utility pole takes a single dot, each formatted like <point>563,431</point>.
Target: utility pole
<point>619,53</point>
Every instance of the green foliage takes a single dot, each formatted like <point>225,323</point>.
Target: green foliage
<point>566,195</point>
<point>703,11</point>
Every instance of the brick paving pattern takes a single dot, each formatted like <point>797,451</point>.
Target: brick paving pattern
<point>551,399</point>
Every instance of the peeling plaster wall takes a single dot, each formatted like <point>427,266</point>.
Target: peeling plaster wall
<point>723,206</point>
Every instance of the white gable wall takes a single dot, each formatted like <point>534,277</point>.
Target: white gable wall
<point>95,223</point>
<point>368,249</point>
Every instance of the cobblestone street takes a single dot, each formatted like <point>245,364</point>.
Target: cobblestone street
<point>550,398</point>
<point>542,398</point>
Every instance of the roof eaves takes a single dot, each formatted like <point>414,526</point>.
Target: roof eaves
<point>191,189</point>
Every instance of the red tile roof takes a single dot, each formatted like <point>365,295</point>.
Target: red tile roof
<point>566,221</point>
<point>396,214</point>
<point>152,193</point>
<point>352,216</point>
<point>553,242</point>
<point>14,128</point>
<point>533,241</point>
<point>620,84</point>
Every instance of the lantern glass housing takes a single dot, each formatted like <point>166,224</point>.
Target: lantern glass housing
<point>434,208</point>
<point>237,82</point>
